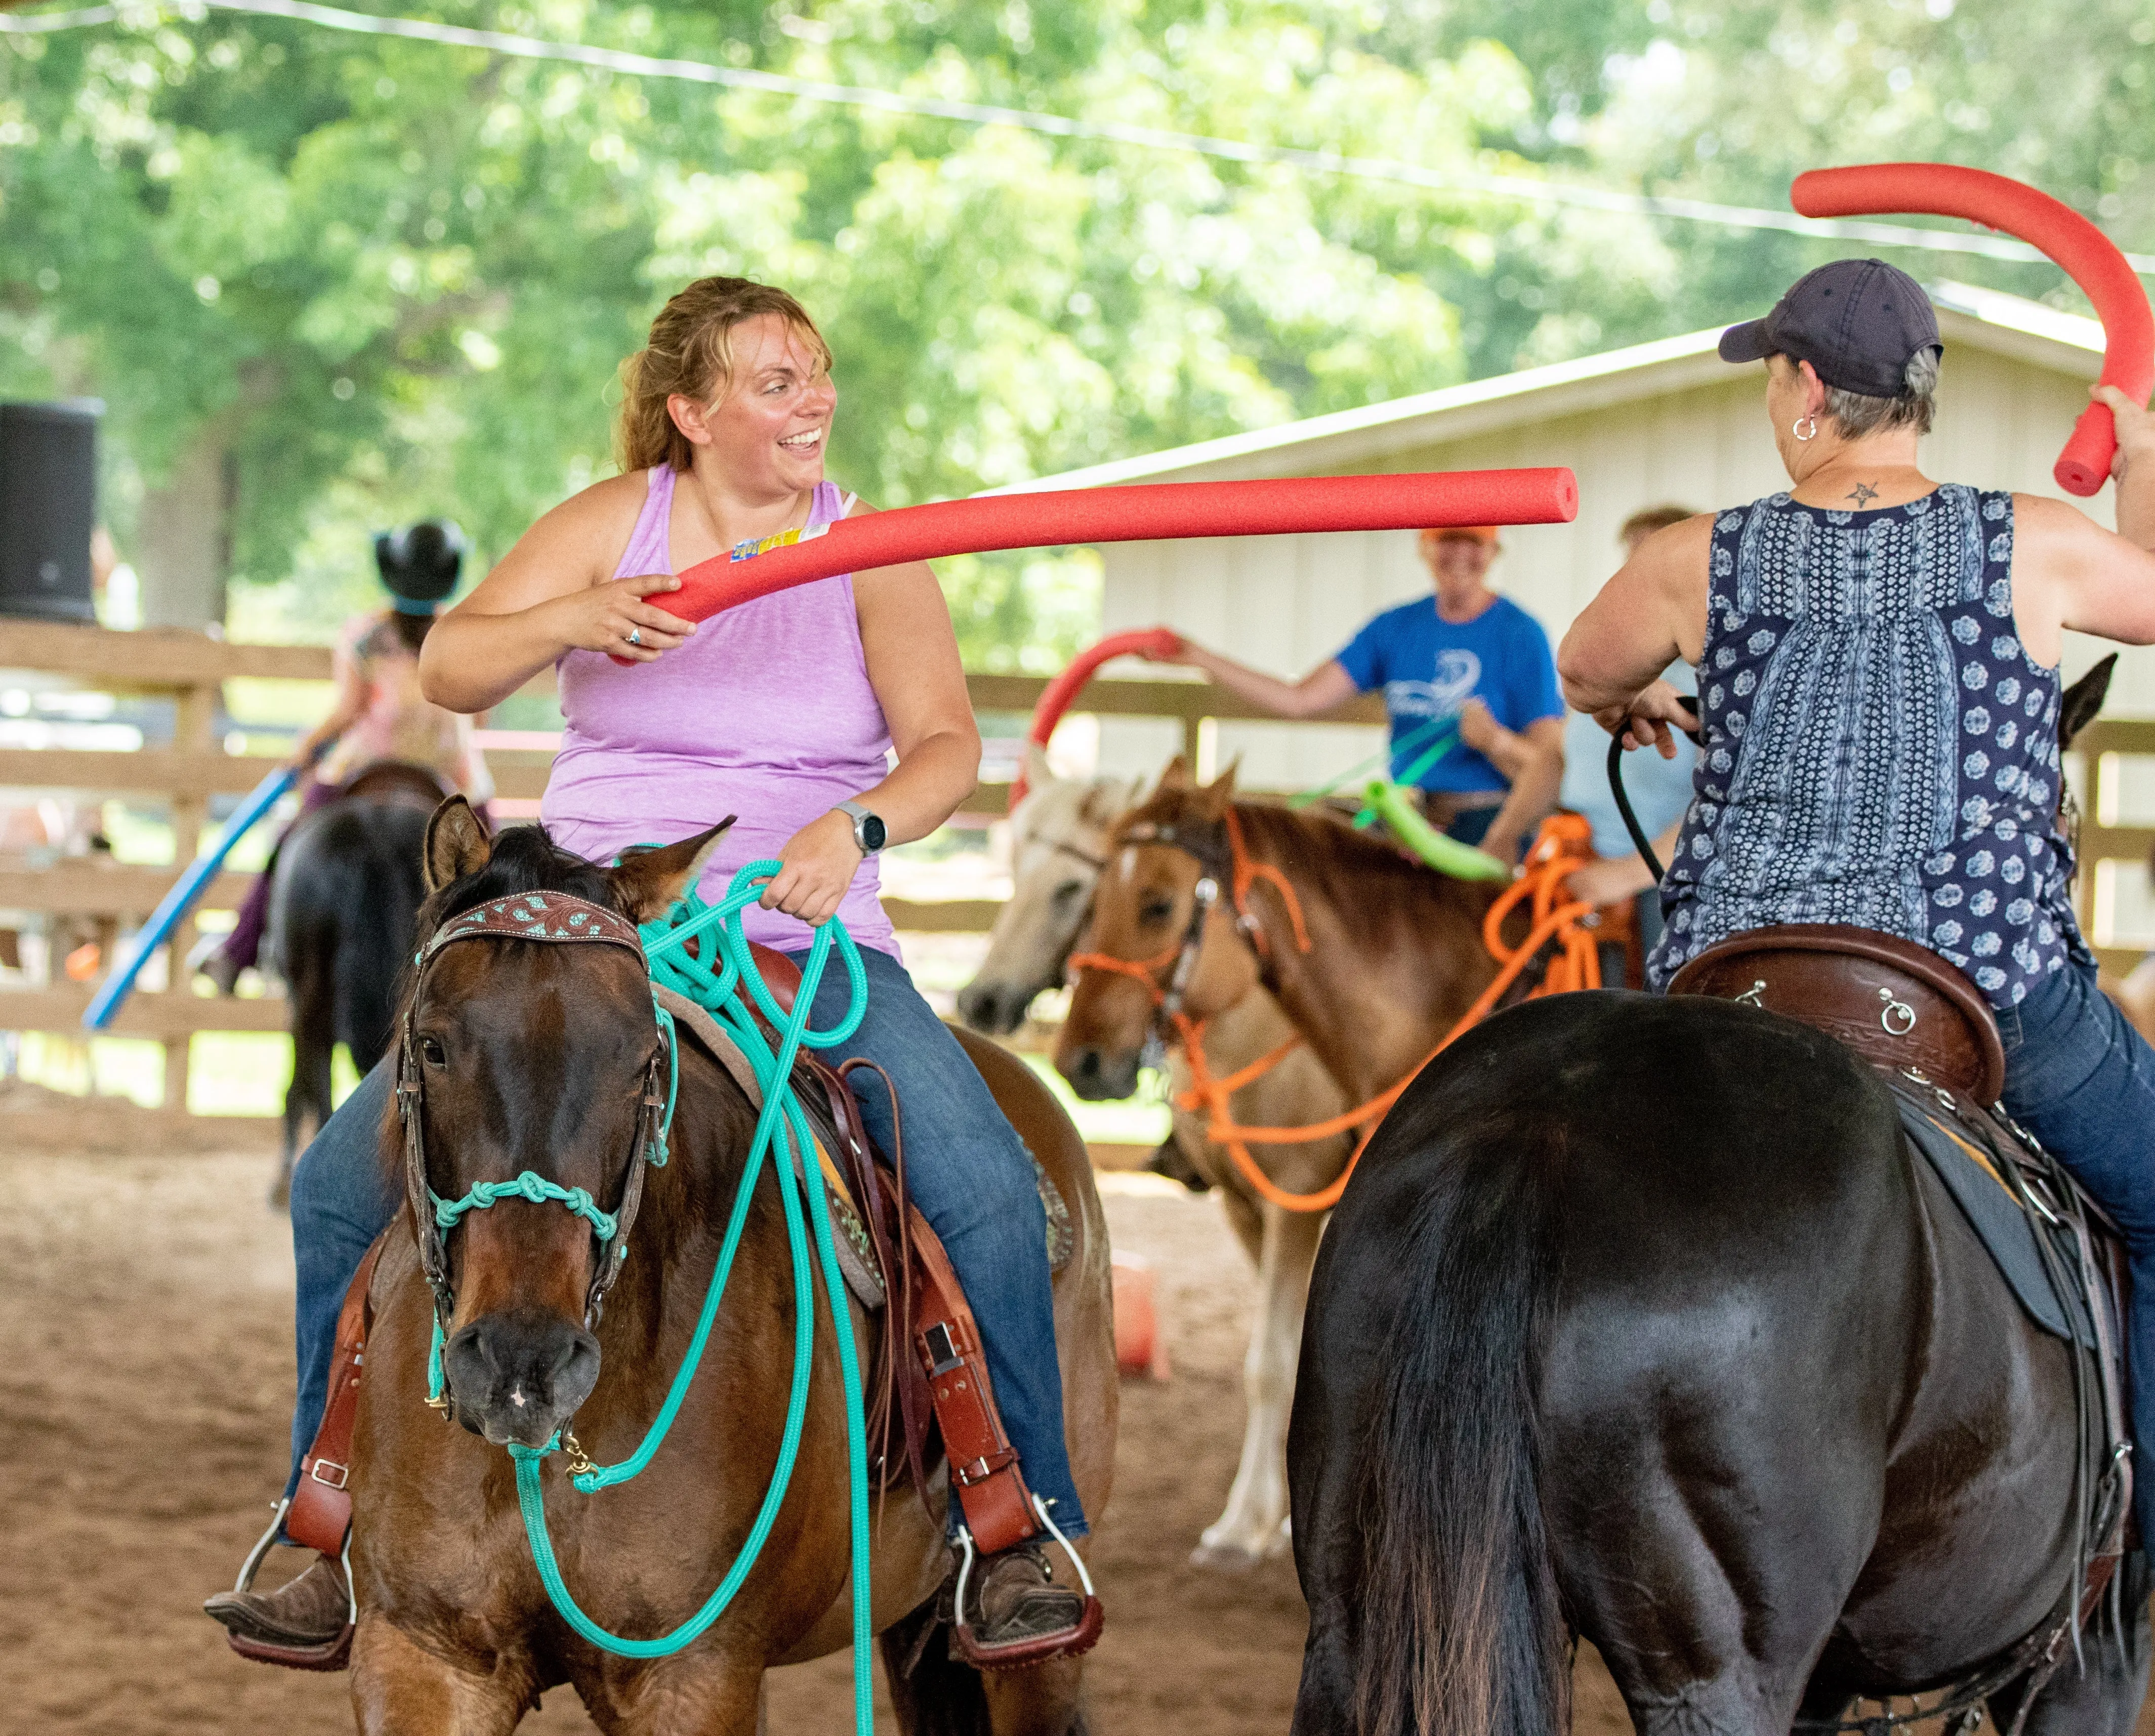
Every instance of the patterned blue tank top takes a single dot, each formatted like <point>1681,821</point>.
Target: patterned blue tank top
<point>1879,748</point>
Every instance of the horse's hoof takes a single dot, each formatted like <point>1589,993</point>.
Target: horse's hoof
<point>1227,1557</point>
<point>280,1192</point>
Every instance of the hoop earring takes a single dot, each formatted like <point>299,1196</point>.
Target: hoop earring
<point>1796,427</point>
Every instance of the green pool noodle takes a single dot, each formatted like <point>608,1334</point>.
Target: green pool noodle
<point>1396,808</point>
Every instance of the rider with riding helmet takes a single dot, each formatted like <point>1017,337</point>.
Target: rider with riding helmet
<point>379,714</point>
<point>1462,652</point>
<point>1879,716</point>
<point>786,711</point>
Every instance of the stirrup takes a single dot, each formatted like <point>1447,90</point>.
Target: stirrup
<point>1042,1648</point>
<point>331,1654</point>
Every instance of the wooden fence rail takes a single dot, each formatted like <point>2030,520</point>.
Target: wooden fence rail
<point>190,669</point>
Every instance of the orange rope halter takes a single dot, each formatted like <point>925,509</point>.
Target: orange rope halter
<point>1561,848</point>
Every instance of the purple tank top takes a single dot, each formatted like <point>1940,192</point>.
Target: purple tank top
<point>766,713</point>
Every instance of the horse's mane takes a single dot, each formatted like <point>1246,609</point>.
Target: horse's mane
<point>1369,884</point>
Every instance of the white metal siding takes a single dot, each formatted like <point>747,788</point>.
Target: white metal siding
<point>1285,603</point>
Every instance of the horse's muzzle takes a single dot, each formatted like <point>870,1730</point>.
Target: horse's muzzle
<point>996,1009</point>
<point>517,1376</point>
<point>1096,1076</point>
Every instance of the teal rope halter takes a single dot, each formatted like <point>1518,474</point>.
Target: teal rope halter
<point>781,1129</point>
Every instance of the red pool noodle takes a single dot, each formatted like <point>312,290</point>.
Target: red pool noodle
<point>2073,244</point>
<point>1155,642</point>
<point>1145,513</point>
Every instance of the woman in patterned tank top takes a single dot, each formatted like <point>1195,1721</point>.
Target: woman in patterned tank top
<point>788,711</point>
<point>1877,660</point>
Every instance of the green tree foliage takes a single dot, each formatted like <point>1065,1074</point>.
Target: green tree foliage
<point>384,277</point>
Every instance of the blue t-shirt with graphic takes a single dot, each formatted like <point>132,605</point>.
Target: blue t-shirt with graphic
<point>1429,666</point>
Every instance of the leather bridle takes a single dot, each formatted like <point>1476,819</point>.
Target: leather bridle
<point>555,917</point>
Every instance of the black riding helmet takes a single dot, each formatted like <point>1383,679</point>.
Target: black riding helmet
<point>420,564</point>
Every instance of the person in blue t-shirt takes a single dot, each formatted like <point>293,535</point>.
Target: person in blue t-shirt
<point>1462,653</point>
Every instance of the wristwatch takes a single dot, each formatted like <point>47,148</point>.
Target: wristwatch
<point>868,830</point>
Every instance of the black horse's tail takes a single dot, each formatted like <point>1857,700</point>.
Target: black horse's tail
<point>1462,1632</point>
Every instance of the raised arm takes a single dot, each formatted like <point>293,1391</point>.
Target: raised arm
<point>2068,571</point>
<point>553,592</point>
<point>1324,688</point>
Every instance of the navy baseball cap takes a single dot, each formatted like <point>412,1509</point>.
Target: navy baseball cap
<point>1858,322</point>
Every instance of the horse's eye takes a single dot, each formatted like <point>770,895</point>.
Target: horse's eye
<point>432,1051</point>
<point>1069,891</point>
<point>1156,910</point>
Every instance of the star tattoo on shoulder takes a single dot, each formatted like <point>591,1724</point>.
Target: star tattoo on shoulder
<point>1862,494</point>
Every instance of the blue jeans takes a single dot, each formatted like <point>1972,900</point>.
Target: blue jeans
<point>2082,1080</point>
<point>966,1170</point>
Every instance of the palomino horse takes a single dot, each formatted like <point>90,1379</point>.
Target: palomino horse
<point>1059,834</point>
<point>541,1057</point>
<point>344,905</point>
<point>1641,1322</point>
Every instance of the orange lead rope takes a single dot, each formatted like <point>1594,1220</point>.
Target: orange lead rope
<point>1560,849</point>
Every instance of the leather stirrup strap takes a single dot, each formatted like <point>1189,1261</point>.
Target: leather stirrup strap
<point>321,1514</point>
<point>983,1467</point>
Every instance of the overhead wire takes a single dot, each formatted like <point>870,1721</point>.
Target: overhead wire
<point>1526,189</point>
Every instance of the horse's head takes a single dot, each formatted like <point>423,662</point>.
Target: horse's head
<point>1163,911</point>
<point>530,1060</point>
<point>1058,837</point>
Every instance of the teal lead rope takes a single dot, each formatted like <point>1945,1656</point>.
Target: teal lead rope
<point>780,1127</point>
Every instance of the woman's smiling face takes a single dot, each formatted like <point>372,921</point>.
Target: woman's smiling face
<point>768,431</point>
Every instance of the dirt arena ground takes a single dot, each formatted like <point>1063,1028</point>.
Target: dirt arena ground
<point>145,1390</point>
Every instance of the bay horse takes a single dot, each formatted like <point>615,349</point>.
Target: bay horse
<point>1640,1322</point>
<point>344,892</point>
<point>1058,837</point>
<point>540,1057</point>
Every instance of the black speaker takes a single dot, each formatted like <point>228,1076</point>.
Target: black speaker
<point>48,509</point>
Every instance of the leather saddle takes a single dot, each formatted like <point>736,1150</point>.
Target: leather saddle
<point>1898,1005</point>
<point>399,783</point>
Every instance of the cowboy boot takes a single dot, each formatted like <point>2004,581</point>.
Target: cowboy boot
<point>310,1611</point>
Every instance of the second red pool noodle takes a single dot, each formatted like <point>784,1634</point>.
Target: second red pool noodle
<point>2073,245</point>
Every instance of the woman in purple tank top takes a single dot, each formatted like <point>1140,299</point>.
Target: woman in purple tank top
<point>832,719</point>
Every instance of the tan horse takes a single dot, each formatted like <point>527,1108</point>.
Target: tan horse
<point>539,1056</point>
<point>1058,835</point>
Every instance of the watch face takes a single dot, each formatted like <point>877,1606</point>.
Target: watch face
<point>872,832</point>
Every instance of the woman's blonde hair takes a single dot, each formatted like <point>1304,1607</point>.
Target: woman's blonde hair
<point>691,352</point>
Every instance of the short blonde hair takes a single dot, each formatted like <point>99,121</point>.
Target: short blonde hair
<point>690,352</point>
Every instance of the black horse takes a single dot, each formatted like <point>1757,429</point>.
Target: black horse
<point>344,906</point>
<point>1641,1322</point>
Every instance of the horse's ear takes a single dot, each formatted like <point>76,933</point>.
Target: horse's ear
<point>457,843</point>
<point>2083,700</point>
<point>1039,774</point>
<point>1106,800</point>
<point>1215,798</point>
<point>647,883</point>
<point>1175,777</point>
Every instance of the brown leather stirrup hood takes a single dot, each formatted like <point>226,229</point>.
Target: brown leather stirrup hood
<point>319,1515</point>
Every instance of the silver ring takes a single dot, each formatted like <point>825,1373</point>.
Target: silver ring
<point>635,636</point>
